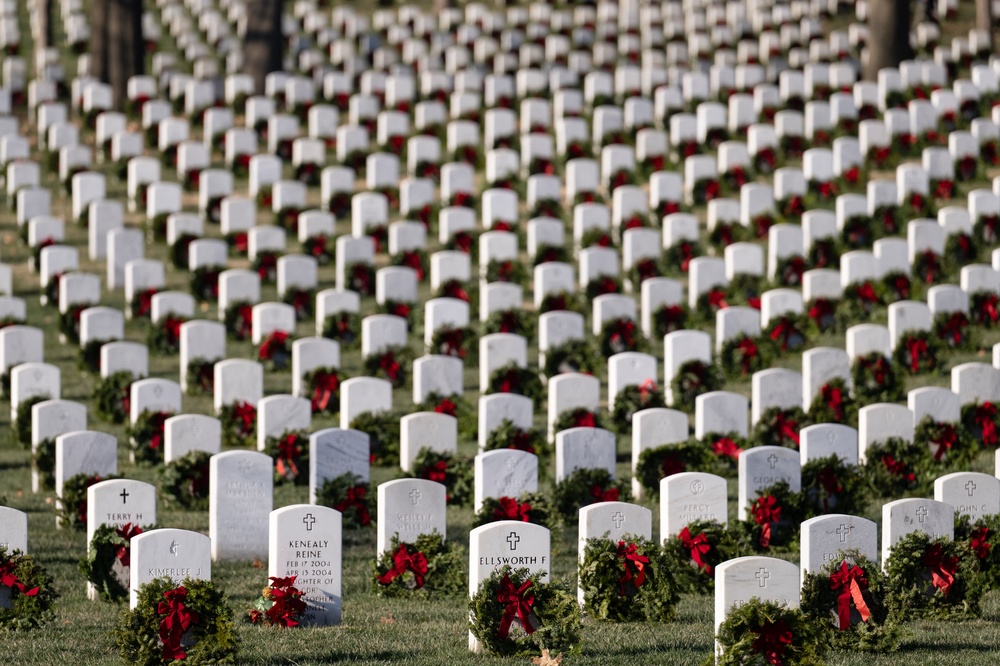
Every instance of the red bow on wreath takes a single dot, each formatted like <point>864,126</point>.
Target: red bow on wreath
<point>318,246</point>
<point>953,328</point>
<point>786,427</point>
<point>726,447</point>
<point>245,415</point>
<point>646,389</point>
<point>717,299</point>
<point>898,468</point>
<point>241,242</point>
<point>634,565</point>
<point>988,307</point>
<point>403,561</point>
<point>178,619</point>
<point>687,254</point>
<point>288,452</point>
<point>772,641</point>
<point>602,495</point>
<point>623,334</point>
<point>917,348</point>
<point>945,189</point>
<point>412,259</point>
<point>584,419</point>
<point>946,438</point>
<point>942,568</point>
<point>867,293</point>
<point>9,579</point>
<point>833,396</point>
<point>849,582</point>
<point>145,304</point>
<point>451,343</point>
<point>517,602</point>
<point>126,531</point>
<point>978,543</point>
<point>244,321</point>
<point>390,366</point>
<point>748,352</point>
<point>355,499</point>
<point>454,289</point>
<point>766,510</point>
<point>985,418</point>
<point>325,386</point>
<point>172,327</point>
<point>509,509</point>
<point>699,547</point>
<point>437,472</point>
<point>274,342</point>
<point>446,406</point>
<point>820,309</point>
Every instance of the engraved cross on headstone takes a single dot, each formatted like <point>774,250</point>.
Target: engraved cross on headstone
<point>513,540</point>
<point>921,513</point>
<point>762,575</point>
<point>843,530</point>
<point>415,496</point>
<point>309,520</point>
<point>971,487</point>
<point>618,519</point>
<point>772,460</point>
<point>124,495</point>
<point>510,463</point>
<point>174,547</point>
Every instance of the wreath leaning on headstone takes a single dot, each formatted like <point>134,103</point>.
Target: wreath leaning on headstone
<point>72,507</point>
<point>112,396</point>
<point>382,429</point>
<point>587,486</point>
<point>660,462</point>
<point>190,622</point>
<point>982,536</point>
<point>349,495</point>
<point>693,553</point>
<point>31,591</point>
<point>764,632</point>
<point>627,580</point>
<point>290,452</point>
<point>110,544</point>
<point>448,469</point>
<point>21,432</point>
<point>509,436</point>
<point>534,508</point>
<point>428,565</point>
<point>631,399</point>
<point>184,481</point>
<point>514,613</point>
<point>932,578</point>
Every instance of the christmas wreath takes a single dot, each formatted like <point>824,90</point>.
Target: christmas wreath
<point>184,480</point>
<point>429,565</point>
<point>896,286</point>
<point>764,632</point>
<point>323,389</point>
<point>927,267</point>
<point>668,318</point>
<point>875,379</point>
<point>164,336</point>
<point>382,429</point>
<point>572,356</point>
<point>204,282</point>
<point>21,432</point>
<point>344,327</point>
<point>280,604</point>
<point>789,271</point>
<point>829,485</point>
<point>952,329</point>
<point>897,468</point>
<point>459,289</point>
<point>290,451</point>
<point>534,508</point>
<point>586,486</point>
<point>984,306</point>
<point>450,470</point>
<point>112,395</point>
<point>301,299</point>
<point>599,286</point>
<point>710,302</point>
<point>642,270</point>
<point>415,259</point>
<point>745,289</point>
<point>743,355</point>
<point>274,351</point>
<point>628,580</point>
<point>833,404</point>
<point>850,591</point>
<point>726,447</point>
<point>349,495</point>
<point>961,249</point>
<point>824,253</point>
<point>823,314</point>
<point>727,232</point>
<point>200,376</point>
<point>631,399</point>
<point>545,253</point>
<point>779,427</point>
<point>773,520</point>
<point>402,309</point>
<point>31,591</point>
<point>982,421</point>
<point>788,332</point>
<point>562,300</point>
<point>317,247</point>
<point>511,378</point>
<point>580,417</point>
<point>465,240</point>
<point>459,342</point>
<point>43,461</point>
<point>949,443</point>
<point>695,551</point>
<point>360,277</point>
<point>980,536</point>
<point>168,617</point>
<point>621,335</point>
<point>89,359</point>
<point>72,507</point>
<point>509,436</point>
<point>239,320</point>
<point>932,578</point>
<point>69,321</point>
<point>678,256</point>
<point>146,437</point>
<point>180,251</point>
<point>514,614</point>
<point>508,270</point>
<point>662,461</point>
<point>390,363</point>
<point>518,321</point>
<point>452,405</point>
<point>693,378</point>
<point>106,565</point>
<point>239,424</point>
<point>858,302</point>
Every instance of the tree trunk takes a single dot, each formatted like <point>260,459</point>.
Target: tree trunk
<point>984,19</point>
<point>117,49</point>
<point>888,35</point>
<point>264,43</point>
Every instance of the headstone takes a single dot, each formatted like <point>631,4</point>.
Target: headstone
<point>118,502</point>
<point>899,518</point>
<point>762,467</point>
<point>408,508</point>
<point>171,553</point>
<point>191,432</point>
<point>972,494</point>
<point>305,542</point>
<point>824,536</point>
<point>504,473</point>
<point>241,494</point>
<point>584,448</point>
<point>334,452</point>
<point>689,497</point>
<point>13,529</point>
<point>739,580</point>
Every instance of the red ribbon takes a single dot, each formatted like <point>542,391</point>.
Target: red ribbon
<point>786,427</point>
<point>509,509</point>
<point>244,321</point>
<point>403,561</point>
<point>438,472</point>
<point>985,417</point>
<point>867,293</point>
<point>897,468</point>
<point>699,547</point>
<point>988,306</point>
<point>172,327</point>
<point>852,175</point>
<point>446,406</point>
<point>584,419</point>
<point>390,366</point>
<point>748,352</point>
<point>820,309</point>
<point>602,495</point>
<point>917,348</point>
<point>766,510</point>
<point>178,619</point>
<point>978,543</point>
<point>355,499</point>
<point>726,447</point>
<point>272,345</point>
<point>634,565</point>
<point>288,452</point>
<point>517,602</point>
<point>9,579</point>
<point>772,641</point>
<point>717,299</point>
<point>245,415</point>
<point>945,438</point>
<point>849,582</point>
<point>126,531</point>
<point>942,568</point>
<point>324,387</point>
<point>945,189</point>
<point>834,398</point>
<point>145,304</point>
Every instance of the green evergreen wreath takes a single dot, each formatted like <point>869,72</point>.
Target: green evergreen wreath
<point>694,553</point>
<point>323,389</point>
<point>779,427</point>
<point>788,332</point>
<point>204,283</point>
<point>954,330</point>
<point>773,520</point>
<point>108,544</point>
<point>562,300</point>
<point>535,508</point>
<point>72,507</point>
<point>678,256</point>
<point>572,356</point>
<point>290,452</point>
<point>200,376</point>
<point>875,379</point>
<point>599,286</point>
<point>89,359</point>
<point>146,437</point>
<point>112,395</point>
<point>693,378</point>
<point>302,300</point>
<point>360,277</point>
<point>628,580</point>
<point>43,461</point>
<point>668,318</point>
<point>982,421</point>
<point>631,399</point>
<point>764,632</point>
<point>509,436</point>
<point>428,566</point>
<point>382,429</point>
<point>31,592</point>
<point>642,270</point>
<point>726,447</point>
<point>452,471</point>
<point>829,485</point>
<point>587,486</point>
<point>404,309</point>
<point>511,378</point>
<point>164,336</point>
<point>415,259</point>
<point>834,591</point>
<point>184,481</point>
<point>918,352</point>
<point>858,302</point>
<point>620,335</point>
<point>239,424</point>
<point>932,578</point>
<point>460,342</point>
<point>897,468</point>
<point>509,270</point>
<point>69,321</point>
<point>349,495</point>
<point>518,321</point>
<point>580,417</point>
<point>460,289</point>
<point>745,289</point>
<point>550,608</point>
<point>390,363</point>
<point>239,320</point>
<point>138,632</point>
<point>743,355</point>
<point>659,462</point>
<point>982,536</point>
<point>545,253</point>
<point>21,432</point>
<point>834,404</point>
<point>596,237</point>
<point>950,444</point>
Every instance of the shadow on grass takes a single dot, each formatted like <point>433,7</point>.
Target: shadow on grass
<point>341,656</point>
